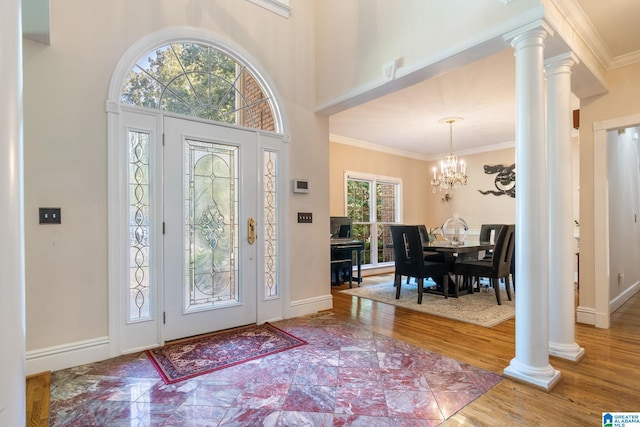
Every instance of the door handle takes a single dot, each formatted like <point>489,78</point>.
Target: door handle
<point>251,230</point>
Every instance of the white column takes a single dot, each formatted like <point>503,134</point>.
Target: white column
<point>12,321</point>
<point>531,363</point>
<point>561,255</point>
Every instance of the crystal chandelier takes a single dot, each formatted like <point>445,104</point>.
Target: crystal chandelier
<point>452,173</point>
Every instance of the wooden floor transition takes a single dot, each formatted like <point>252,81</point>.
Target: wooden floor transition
<point>607,378</point>
<point>38,399</point>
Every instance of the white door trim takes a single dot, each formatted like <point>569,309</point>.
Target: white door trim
<point>602,314</point>
<point>117,181</point>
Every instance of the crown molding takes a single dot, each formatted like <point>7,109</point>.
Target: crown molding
<point>479,150</point>
<point>339,139</point>
<point>578,20</point>
<point>280,7</point>
<point>624,60</point>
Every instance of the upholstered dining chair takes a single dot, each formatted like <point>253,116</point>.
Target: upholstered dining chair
<point>485,236</point>
<point>498,267</point>
<point>424,238</point>
<point>486,230</point>
<point>428,255</point>
<point>409,260</point>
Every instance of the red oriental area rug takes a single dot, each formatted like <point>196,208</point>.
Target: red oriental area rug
<point>184,359</point>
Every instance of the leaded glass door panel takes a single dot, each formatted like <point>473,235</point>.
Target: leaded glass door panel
<point>210,181</point>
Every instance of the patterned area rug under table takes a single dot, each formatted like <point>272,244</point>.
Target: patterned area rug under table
<point>188,358</point>
<point>479,308</point>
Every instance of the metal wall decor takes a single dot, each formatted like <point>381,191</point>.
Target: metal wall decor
<point>505,180</point>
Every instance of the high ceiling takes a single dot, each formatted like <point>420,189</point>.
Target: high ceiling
<point>409,121</point>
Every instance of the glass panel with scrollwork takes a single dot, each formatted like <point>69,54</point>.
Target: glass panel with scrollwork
<point>211,212</point>
<point>270,224</point>
<point>139,227</point>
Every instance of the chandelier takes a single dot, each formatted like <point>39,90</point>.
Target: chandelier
<point>452,173</point>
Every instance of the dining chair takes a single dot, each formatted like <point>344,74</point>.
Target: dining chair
<point>428,255</point>
<point>409,260</point>
<point>485,236</point>
<point>486,232</point>
<point>513,264</point>
<point>498,267</point>
<point>424,238</point>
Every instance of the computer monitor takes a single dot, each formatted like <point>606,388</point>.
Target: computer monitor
<point>340,227</point>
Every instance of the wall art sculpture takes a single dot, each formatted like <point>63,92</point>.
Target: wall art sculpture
<point>505,180</point>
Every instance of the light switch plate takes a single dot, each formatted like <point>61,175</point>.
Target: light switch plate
<point>50,216</point>
<point>305,217</point>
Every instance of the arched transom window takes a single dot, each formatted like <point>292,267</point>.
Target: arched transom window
<point>201,81</point>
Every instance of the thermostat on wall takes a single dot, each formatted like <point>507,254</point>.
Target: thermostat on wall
<point>300,185</point>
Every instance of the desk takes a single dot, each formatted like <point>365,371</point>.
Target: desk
<point>356,246</point>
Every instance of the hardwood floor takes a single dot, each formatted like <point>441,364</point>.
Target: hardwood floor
<point>38,399</point>
<point>606,379</point>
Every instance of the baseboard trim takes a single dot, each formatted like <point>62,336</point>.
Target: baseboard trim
<point>67,355</point>
<point>590,316</point>
<point>623,297</point>
<point>586,315</point>
<point>310,305</point>
<point>94,350</point>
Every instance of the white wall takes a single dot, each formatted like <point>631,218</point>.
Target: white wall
<point>356,38</point>
<point>620,101</point>
<point>66,147</point>
<point>623,175</point>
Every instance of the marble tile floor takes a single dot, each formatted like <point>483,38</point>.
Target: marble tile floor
<point>345,376</point>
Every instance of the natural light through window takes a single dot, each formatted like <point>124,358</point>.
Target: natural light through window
<point>201,81</point>
<point>373,203</point>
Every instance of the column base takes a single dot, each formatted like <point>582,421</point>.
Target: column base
<point>566,351</point>
<point>545,378</point>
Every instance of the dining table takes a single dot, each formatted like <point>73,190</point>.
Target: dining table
<point>454,251</point>
<point>457,251</point>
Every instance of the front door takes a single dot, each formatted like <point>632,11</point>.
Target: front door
<point>209,202</point>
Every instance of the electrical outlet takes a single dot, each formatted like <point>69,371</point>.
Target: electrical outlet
<point>305,217</point>
<point>50,216</point>
<point>389,70</point>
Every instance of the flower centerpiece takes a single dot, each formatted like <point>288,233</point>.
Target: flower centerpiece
<point>431,233</point>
